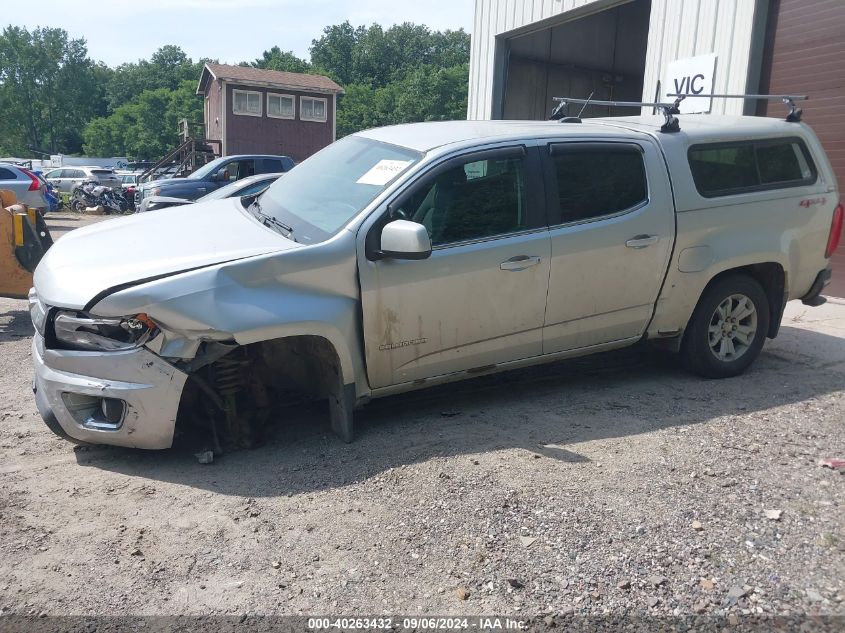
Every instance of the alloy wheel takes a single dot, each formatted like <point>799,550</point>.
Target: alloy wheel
<point>733,327</point>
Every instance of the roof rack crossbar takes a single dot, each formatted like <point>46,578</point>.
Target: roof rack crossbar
<point>668,110</point>
<point>795,112</point>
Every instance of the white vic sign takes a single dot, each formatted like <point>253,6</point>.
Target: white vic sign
<point>691,76</point>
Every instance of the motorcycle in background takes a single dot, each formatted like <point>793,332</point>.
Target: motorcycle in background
<point>91,194</point>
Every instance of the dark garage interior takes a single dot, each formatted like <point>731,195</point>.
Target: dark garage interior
<point>602,54</point>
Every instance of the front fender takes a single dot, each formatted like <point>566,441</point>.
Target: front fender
<point>260,299</point>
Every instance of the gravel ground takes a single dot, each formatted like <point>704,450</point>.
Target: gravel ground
<point>61,222</point>
<point>615,485</point>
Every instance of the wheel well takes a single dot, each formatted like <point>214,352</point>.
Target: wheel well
<point>235,391</point>
<point>772,278</point>
<point>306,363</point>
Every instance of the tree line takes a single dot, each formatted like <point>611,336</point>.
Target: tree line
<point>55,99</point>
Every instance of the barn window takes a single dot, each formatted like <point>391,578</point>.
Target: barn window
<point>312,109</point>
<point>246,102</point>
<point>280,106</point>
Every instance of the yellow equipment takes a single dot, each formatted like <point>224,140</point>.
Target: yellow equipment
<point>24,238</point>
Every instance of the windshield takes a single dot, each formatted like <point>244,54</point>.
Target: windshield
<point>321,194</point>
<point>206,170</point>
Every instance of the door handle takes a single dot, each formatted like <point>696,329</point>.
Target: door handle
<point>641,241</point>
<point>520,262</point>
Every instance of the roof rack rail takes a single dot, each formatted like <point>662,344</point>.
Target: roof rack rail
<point>668,110</point>
<point>795,112</point>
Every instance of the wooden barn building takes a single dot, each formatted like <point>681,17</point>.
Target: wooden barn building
<point>257,111</point>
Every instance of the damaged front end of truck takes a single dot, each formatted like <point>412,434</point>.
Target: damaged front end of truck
<point>236,395</point>
<point>214,354</point>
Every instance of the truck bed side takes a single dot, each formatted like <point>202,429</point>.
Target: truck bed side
<point>777,235</point>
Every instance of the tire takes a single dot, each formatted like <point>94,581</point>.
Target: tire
<point>723,338</point>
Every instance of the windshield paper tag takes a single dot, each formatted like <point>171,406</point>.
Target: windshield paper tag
<point>383,172</point>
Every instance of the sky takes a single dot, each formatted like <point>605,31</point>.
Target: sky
<point>228,30</point>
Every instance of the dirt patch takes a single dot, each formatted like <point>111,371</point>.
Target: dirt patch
<point>62,222</point>
<point>612,484</point>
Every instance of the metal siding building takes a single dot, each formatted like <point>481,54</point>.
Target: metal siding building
<point>676,29</point>
<point>525,52</point>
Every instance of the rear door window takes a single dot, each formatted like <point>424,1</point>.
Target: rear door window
<point>723,169</point>
<point>593,180</point>
<point>7,174</point>
<point>272,166</point>
<point>244,168</point>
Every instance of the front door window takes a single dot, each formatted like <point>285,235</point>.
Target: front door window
<point>476,200</point>
<point>230,172</point>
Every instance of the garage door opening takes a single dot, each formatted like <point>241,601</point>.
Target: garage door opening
<point>602,54</point>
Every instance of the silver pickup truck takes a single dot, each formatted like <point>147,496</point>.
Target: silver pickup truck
<point>408,256</point>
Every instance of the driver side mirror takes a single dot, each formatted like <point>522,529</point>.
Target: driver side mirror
<point>402,239</point>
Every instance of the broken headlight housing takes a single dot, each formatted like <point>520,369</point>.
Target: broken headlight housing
<point>74,330</point>
<point>37,312</point>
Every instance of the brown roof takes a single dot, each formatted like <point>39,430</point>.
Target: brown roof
<point>271,78</point>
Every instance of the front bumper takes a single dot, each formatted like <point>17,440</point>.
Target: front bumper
<point>149,387</point>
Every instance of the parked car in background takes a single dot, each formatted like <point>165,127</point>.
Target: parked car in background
<point>128,178</point>
<point>65,179</point>
<point>214,175</point>
<point>129,184</point>
<point>27,186</point>
<point>249,186</point>
<point>50,193</point>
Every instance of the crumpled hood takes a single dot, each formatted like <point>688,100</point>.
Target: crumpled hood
<point>119,252</point>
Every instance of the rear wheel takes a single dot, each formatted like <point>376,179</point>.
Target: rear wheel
<point>727,329</point>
